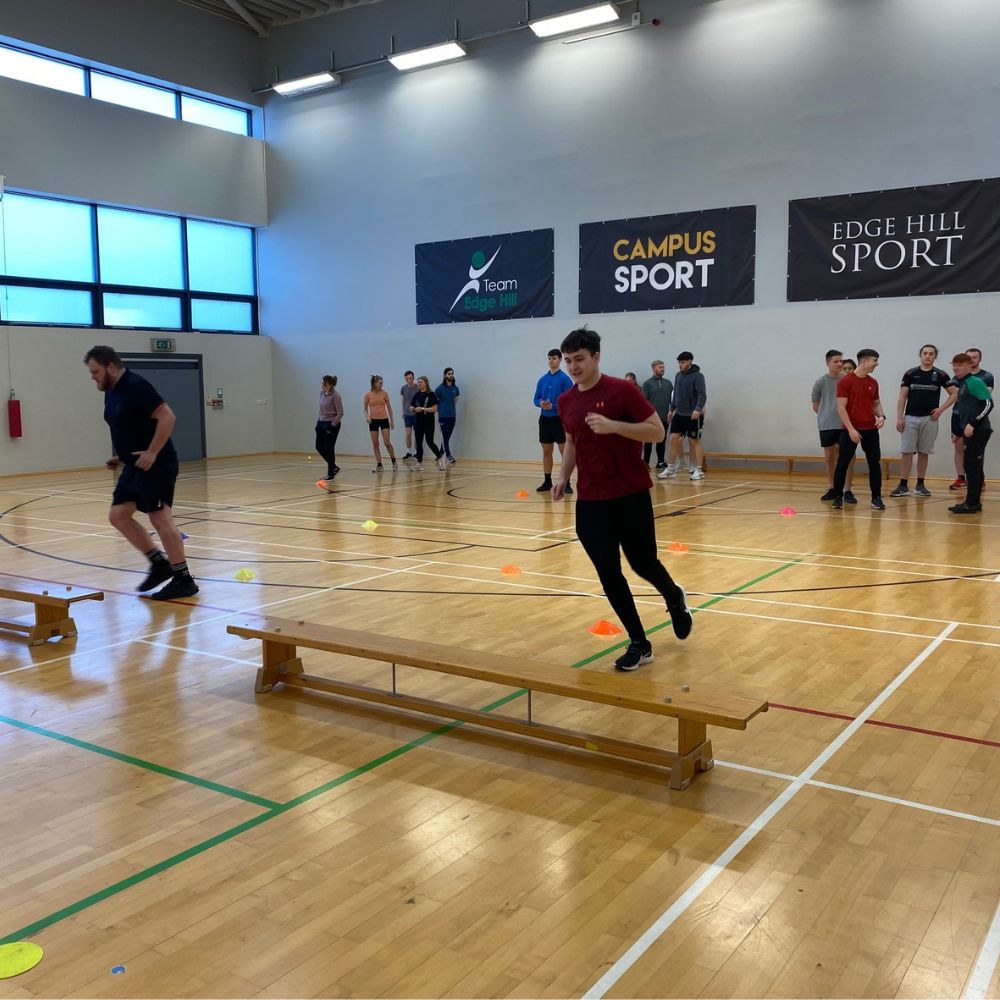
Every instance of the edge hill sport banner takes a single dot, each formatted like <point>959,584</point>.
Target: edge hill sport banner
<point>510,276</point>
<point>933,240</point>
<point>679,261</point>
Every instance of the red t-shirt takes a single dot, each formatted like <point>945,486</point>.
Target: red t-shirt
<point>608,465</point>
<point>860,394</point>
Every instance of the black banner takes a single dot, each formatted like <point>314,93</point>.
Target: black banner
<point>933,240</point>
<point>678,261</point>
<point>490,277</point>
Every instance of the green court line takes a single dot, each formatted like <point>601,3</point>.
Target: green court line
<point>147,765</point>
<point>277,809</point>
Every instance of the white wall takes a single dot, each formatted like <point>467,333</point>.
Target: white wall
<point>62,411</point>
<point>734,102</point>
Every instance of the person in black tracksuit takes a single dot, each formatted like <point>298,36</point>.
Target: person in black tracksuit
<point>424,406</point>
<point>973,408</point>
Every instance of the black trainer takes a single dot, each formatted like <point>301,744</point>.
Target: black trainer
<point>964,508</point>
<point>849,497</point>
<point>158,572</point>
<point>568,490</point>
<point>680,616</point>
<point>182,585</point>
<point>878,503</point>
<point>546,487</point>
<point>829,494</point>
<point>838,503</point>
<point>636,653</point>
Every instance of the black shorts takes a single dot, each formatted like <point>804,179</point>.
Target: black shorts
<point>149,491</point>
<point>686,426</point>
<point>379,425</point>
<point>957,430</point>
<point>551,431</point>
<point>828,439</point>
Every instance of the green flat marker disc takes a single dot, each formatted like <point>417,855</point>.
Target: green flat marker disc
<point>18,957</point>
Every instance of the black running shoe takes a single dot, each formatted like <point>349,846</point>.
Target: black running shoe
<point>828,495</point>
<point>878,503</point>
<point>158,572</point>
<point>838,503</point>
<point>964,508</point>
<point>569,490</point>
<point>635,654</point>
<point>849,497</point>
<point>179,586</point>
<point>680,616</point>
<point>546,487</point>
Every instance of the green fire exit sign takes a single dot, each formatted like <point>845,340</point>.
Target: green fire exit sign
<point>162,344</point>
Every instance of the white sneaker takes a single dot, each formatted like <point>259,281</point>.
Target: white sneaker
<point>668,473</point>
<point>417,467</point>
<point>697,473</point>
<point>440,462</point>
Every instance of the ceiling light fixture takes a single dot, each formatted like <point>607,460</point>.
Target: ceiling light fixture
<point>305,84</point>
<point>575,20</point>
<point>417,58</point>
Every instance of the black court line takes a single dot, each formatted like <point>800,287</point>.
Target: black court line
<point>707,503</point>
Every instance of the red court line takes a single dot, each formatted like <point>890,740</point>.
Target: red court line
<point>889,725</point>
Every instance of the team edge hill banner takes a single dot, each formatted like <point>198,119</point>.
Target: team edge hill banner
<point>938,239</point>
<point>678,261</point>
<point>490,277</point>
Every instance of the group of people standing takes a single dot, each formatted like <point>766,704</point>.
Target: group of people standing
<point>418,403</point>
<point>680,406</point>
<point>849,413</point>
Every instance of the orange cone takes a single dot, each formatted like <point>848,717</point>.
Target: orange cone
<point>605,628</point>
<point>522,494</point>
<point>678,548</point>
<point>510,570</point>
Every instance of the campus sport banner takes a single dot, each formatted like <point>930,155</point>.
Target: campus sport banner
<point>678,261</point>
<point>933,240</point>
<point>490,277</point>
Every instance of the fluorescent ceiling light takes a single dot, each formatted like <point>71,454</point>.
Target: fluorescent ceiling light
<point>575,20</point>
<point>427,57</point>
<point>288,88</point>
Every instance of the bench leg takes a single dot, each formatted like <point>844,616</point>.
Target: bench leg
<point>694,754</point>
<point>51,621</point>
<point>279,658</point>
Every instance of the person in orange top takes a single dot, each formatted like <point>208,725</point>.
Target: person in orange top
<point>378,414</point>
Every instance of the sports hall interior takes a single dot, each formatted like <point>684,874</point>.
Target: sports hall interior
<point>169,831</point>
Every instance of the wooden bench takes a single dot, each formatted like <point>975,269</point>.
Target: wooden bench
<point>282,637</point>
<point>51,610</point>
<point>789,460</point>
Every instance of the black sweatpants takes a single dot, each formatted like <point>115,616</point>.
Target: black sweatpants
<point>975,449</point>
<point>606,528</point>
<point>872,448</point>
<point>661,449</point>
<point>423,427</point>
<point>326,445</point>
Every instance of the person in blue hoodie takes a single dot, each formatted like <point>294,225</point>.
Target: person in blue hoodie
<point>550,429</point>
<point>687,416</point>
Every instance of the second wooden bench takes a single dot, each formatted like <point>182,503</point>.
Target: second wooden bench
<point>281,639</point>
<point>51,609</point>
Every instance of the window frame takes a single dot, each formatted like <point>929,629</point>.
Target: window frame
<point>99,287</point>
<point>177,92</point>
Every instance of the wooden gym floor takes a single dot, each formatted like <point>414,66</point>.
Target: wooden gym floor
<point>158,815</point>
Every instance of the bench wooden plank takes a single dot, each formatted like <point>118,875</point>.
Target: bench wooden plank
<point>281,638</point>
<point>789,460</point>
<point>51,606</point>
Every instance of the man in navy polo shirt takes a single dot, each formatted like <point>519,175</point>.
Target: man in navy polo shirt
<point>140,423</point>
<point>606,421</point>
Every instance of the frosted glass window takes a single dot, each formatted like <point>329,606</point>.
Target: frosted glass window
<point>160,311</point>
<point>214,115</point>
<point>130,94</point>
<point>43,238</point>
<point>43,72</point>
<point>217,314</point>
<point>220,258</point>
<point>140,249</point>
<point>58,306</point>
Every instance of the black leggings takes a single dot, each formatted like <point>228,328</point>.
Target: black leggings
<point>423,426</point>
<point>872,448</point>
<point>626,523</point>
<point>975,449</point>
<point>326,444</point>
<point>661,450</point>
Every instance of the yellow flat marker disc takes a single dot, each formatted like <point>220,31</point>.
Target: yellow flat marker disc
<point>18,957</point>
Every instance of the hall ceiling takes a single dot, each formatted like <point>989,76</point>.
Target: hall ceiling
<point>263,15</point>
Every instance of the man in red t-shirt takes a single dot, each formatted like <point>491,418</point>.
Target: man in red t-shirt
<point>861,413</point>
<point>606,421</point>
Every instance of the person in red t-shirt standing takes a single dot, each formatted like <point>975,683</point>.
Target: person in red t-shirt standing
<point>861,413</point>
<point>606,421</point>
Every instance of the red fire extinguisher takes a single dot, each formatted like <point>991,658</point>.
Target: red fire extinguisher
<point>14,417</point>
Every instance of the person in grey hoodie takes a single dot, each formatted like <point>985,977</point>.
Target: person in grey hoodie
<point>658,392</point>
<point>687,416</point>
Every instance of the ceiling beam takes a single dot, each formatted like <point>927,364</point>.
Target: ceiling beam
<point>239,9</point>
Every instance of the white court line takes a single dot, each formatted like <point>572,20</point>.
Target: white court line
<point>719,865</point>
<point>986,963</point>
